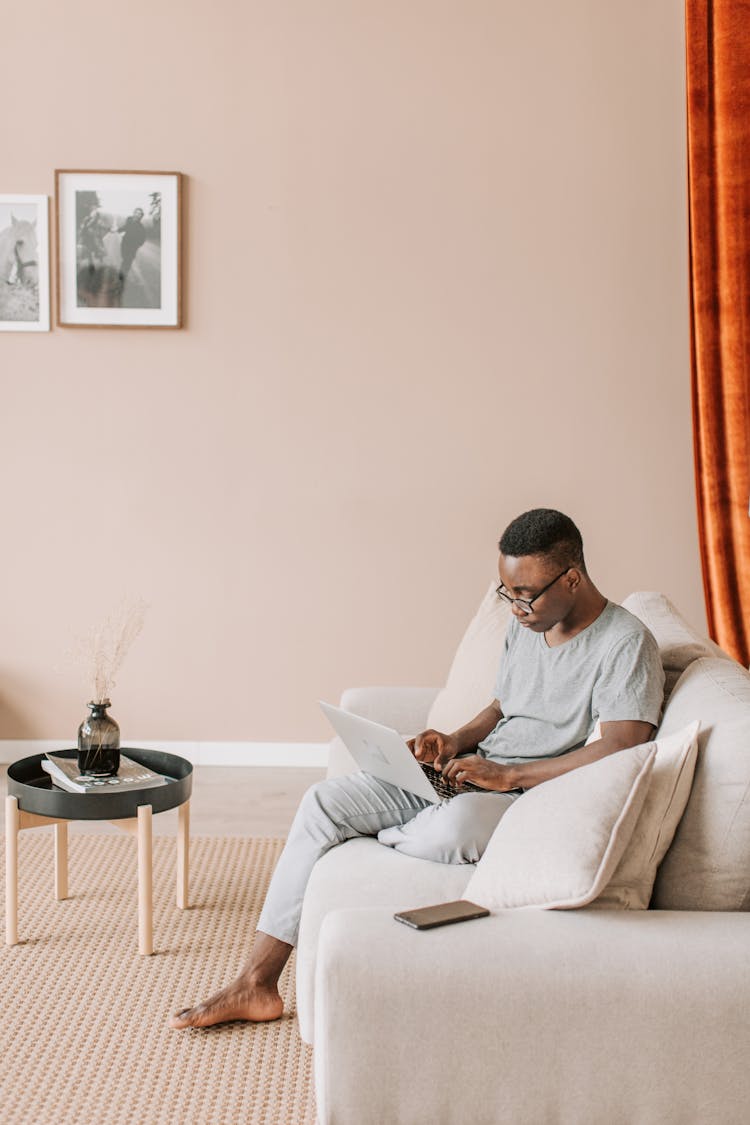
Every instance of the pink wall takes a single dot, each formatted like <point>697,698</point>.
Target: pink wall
<point>436,274</point>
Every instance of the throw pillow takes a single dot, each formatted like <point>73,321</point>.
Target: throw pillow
<point>471,681</point>
<point>559,844</point>
<point>631,886</point>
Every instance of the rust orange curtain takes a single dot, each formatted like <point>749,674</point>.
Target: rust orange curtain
<point>718,92</point>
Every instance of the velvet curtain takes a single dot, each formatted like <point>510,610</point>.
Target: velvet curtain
<point>718,94</point>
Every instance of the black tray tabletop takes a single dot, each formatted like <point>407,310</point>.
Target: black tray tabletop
<point>33,788</point>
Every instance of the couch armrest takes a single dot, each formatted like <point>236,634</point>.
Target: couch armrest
<point>528,1016</point>
<point>403,708</point>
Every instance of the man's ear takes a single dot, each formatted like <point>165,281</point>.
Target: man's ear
<point>573,578</point>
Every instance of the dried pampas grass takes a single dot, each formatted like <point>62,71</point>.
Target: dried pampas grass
<point>101,652</point>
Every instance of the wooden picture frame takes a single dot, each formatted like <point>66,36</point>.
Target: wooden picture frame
<point>119,249</point>
<point>24,263</point>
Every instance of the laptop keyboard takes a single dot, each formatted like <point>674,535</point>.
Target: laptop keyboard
<point>445,788</point>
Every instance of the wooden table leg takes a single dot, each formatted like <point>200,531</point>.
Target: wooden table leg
<point>61,860</point>
<point>11,871</point>
<point>145,882</point>
<point>183,854</point>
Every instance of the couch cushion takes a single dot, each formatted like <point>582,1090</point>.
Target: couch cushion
<point>364,873</point>
<point>558,846</point>
<point>471,680</point>
<point>708,865</point>
<point>632,884</point>
<point>679,643</point>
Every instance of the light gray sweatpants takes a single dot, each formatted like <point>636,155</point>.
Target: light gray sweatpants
<point>455,831</point>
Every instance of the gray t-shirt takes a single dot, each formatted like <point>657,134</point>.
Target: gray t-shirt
<point>552,698</point>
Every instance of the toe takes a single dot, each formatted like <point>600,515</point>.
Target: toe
<point>181,1019</point>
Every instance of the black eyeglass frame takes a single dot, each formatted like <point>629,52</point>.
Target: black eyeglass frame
<point>525,604</point>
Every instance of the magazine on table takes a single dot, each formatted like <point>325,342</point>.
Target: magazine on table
<point>131,775</point>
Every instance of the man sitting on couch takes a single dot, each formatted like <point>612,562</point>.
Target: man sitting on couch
<point>571,659</point>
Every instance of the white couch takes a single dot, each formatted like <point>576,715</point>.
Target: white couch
<point>588,1016</point>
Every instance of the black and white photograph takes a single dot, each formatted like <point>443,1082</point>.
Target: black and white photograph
<point>24,263</point>
<point>119,248</point>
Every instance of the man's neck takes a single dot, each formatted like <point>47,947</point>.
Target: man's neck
<point>589,605</point>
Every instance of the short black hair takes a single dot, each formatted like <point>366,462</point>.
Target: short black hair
<point>543,531</point>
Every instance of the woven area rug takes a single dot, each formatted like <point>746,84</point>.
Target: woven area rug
<point>84,1035</point>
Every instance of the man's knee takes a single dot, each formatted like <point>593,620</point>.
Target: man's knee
<point>317,798</point>
<point>457,831</point>
<point>469,821</point>
<point>329,802</point>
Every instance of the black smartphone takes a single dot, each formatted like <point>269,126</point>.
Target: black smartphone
<point>427,917</point>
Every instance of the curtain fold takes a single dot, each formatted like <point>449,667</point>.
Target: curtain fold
<point>718,105</point>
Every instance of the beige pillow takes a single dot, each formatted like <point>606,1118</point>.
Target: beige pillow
<point>631,886</point>
<point>471,681</point>
<point>559,844</point>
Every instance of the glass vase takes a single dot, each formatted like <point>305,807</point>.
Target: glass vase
<point>99,742</point>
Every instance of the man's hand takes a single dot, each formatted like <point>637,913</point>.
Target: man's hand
<point>433,747</point>
<point>480,771</point>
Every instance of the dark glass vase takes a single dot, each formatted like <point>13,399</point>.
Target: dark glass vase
<point>99,742</point>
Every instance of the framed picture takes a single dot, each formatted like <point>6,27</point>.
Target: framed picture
<point>24,263</point>
<point>119,249</point>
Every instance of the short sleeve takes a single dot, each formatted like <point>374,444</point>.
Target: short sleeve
<point>631,683</point>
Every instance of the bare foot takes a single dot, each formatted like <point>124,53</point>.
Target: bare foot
<point>240,1000</point>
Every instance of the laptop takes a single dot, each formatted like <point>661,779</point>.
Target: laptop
<point>382,752</point>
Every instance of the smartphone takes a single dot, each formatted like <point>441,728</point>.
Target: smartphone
<point>427,917</point>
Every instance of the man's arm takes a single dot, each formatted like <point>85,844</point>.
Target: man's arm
<point>434,746</point>
<point>615,736</point>
<point>525,775</point>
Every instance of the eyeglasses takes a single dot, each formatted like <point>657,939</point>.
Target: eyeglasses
<point>525,604</point>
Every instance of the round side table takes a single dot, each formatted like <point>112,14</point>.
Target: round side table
<point>34,802</point>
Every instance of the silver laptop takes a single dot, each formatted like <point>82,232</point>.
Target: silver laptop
<point>382,752</point>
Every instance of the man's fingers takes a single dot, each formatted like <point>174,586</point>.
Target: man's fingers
<point>419,747</point>
<point>428,746</point>
<point>456,766</point>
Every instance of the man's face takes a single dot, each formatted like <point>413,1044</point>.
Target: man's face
<point>525,578</point>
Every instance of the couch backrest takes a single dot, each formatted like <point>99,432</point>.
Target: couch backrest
<point>471,681</point>
<point>707,866</point>
<point>679,643</point>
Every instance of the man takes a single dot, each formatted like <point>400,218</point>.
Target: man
<point>133,236</point>
<point>571,659</point>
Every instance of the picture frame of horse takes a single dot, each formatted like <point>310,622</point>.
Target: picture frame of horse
<point>119,249</point>
<point>24,263</point>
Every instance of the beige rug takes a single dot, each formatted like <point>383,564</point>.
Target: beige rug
<point>84,1036</point>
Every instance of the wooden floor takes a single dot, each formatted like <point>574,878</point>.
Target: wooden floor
<point>226,801</point>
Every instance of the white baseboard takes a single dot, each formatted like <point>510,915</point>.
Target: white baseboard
<point>295,754</point>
